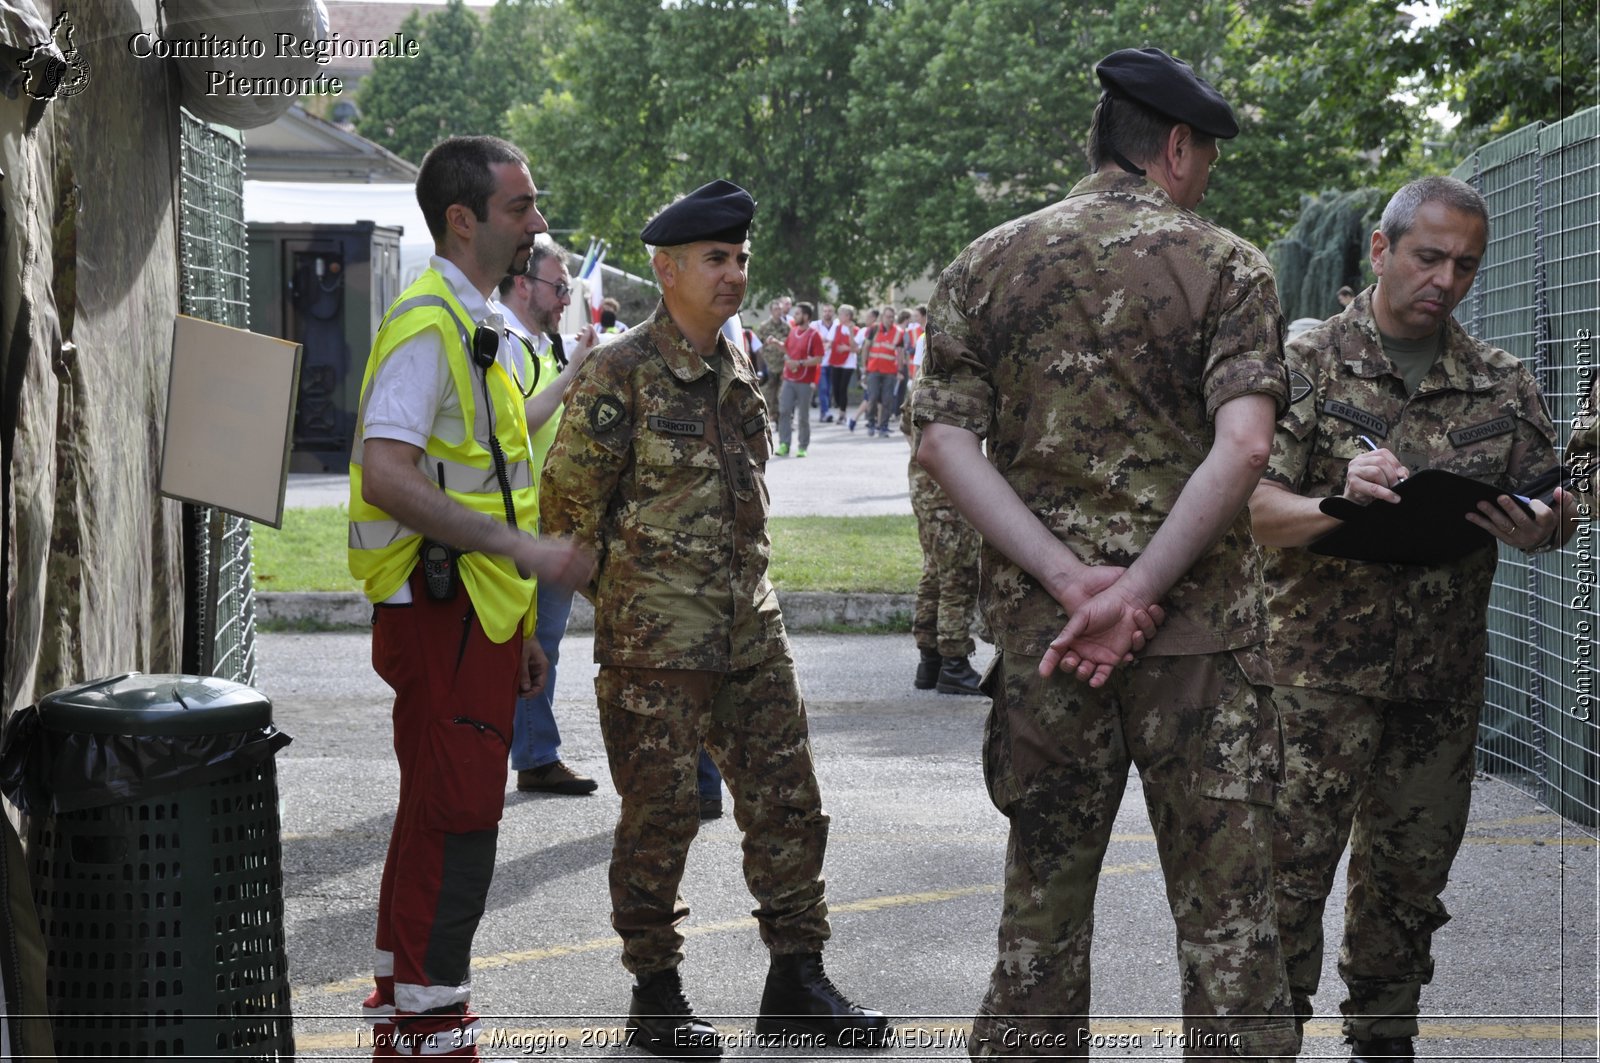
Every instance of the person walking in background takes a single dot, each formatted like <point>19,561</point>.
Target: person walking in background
<point>841,362</point>
<point>532,303</point>
<point>1112,458</point>
<point>803,354</point>
<point>827,326</point>
<point>660,466</point>
<point>442,513</point>
<point>772,332</point>
<point>882,342</point>
<point>911,328</point>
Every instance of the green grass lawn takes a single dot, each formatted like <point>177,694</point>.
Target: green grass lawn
<point>808,553</point>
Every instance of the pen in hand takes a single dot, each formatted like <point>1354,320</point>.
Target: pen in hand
<point>1370,445</point>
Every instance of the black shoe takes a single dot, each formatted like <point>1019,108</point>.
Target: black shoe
<point>956,676</point>
<point>661,1022</point>
<point>927,670</point>
<point>711,807</point>
<point>1381,1048</point>
<point>800,1001</point>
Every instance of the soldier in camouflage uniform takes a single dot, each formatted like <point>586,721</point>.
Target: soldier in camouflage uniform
<point>772,331</point>
<point>659,466</point>
<point>1121,356</point>
<point>1380,666</point>
<point>947,593</point>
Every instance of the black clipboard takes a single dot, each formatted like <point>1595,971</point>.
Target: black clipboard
<point>1428,526</point>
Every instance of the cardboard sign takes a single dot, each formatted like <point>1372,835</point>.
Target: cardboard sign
<point>230,416</point>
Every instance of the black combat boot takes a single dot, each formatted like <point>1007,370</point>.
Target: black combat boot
<point>1381,1048</point>
<point>927,669</point>
<point>803,1006</point>
<point>661,1022</point>
<point>956,676</point>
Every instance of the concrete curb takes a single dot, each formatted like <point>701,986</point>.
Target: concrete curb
<point>802,610</point>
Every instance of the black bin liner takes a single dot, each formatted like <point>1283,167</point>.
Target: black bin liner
<point>132,737</point>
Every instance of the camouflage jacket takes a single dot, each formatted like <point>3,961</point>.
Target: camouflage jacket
<point>1090,343</point>
<point>1400,632</point>
<point>772,333</point>
<point>659,467</point>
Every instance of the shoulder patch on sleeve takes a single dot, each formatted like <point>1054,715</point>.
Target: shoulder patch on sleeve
<point>606,414</point>
<point>1299,386</point>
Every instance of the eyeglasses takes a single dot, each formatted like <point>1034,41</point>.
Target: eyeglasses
<point>562,290</point>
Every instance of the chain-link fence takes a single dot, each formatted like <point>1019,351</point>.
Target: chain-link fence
<point>1538,297</point>
<point>219,620</point>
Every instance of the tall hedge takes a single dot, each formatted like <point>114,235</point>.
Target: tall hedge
<point>1325,249</point>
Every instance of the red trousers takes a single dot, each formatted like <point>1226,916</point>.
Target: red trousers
<point>455,696</point>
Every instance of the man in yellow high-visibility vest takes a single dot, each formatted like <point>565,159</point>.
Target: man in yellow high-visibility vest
<point>440,475</point>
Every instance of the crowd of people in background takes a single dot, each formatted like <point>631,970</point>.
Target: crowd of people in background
<point>818,356</point>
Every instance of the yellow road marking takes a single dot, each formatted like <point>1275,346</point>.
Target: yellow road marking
<point>867,904</point>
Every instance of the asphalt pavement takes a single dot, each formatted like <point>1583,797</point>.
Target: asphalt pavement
<point>914,870</point>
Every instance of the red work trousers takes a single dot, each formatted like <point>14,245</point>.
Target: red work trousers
<point>455,696</point>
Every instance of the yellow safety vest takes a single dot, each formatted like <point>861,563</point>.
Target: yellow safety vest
<point>382,551</point>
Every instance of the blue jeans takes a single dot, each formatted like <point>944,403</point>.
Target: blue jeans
<point>535,739</point>
<point>824,393</point>
<point>710,779</point>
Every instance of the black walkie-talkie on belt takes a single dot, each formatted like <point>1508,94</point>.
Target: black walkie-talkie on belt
<point>439,563</point>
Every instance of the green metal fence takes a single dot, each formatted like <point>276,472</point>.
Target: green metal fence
<point>1538,297</point>
<point>219,614</point>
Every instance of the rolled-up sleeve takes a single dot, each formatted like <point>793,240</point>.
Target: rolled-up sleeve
<point>955,385</point>
<point>1246,355</point>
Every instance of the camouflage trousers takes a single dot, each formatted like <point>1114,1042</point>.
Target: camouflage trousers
<point>1402,774</point>
<point>753,723</point>
<point>947,593</point>
<point>1056,756</point>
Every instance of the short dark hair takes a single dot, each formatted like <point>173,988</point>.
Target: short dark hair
<point>809,310</point>
<point>1139,133</point>
<point>457,170</point>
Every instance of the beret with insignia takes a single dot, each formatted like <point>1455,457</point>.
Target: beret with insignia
<point>719,211</point>
<point>1167,86</point>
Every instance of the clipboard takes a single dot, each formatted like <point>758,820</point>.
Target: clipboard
<point>1428,526</point>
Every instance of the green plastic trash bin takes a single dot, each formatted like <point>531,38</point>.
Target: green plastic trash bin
<point>157,868</point>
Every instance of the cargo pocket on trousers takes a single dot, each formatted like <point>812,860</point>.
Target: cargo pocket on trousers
<point>999,775</point>
<point>617,688</point>
<point>467,791</point>
<point>1244,745</point>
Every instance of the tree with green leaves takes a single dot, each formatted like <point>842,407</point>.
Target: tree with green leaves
<point>1503,64</point>
<point>656,100</point>
<point>409,104</point>
<point>986,109</point>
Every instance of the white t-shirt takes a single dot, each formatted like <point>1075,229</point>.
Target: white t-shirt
<point>412,397</point>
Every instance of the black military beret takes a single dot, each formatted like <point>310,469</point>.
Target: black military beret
<point>719,211</point>
<point>1168,86</point>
